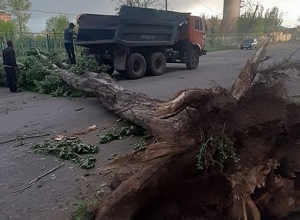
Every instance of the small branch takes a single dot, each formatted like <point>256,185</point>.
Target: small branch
<point>224,127</point>
<point>23,138</point>
<point>38,178</point>
<point>292,54</point>
<point>44,167</point>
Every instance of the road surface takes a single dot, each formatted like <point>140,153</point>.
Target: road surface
<point>52,197</point>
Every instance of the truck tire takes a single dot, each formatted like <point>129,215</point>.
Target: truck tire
<point>193,59</point>
<point>136,66</point>
<point>156,64</point>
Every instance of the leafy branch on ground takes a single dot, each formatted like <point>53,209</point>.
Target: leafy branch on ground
<point>37,75</point>
<point>128,130</point>
<point>69,150</point>
<point>85,64</point>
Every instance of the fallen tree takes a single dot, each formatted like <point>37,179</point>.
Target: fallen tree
<point>219,154</point>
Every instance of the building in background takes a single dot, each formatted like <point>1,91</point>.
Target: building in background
<point>5,16</point>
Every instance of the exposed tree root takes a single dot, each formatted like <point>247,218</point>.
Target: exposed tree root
<point>221,154</point>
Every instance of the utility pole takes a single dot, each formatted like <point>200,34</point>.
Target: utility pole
<point>166,5</point>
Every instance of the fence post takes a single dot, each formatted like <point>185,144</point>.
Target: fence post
<point>22,48</point>
<point>47,43</point>
<point>30,45</point>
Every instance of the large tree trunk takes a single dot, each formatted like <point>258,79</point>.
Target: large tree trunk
<point>221,154</point>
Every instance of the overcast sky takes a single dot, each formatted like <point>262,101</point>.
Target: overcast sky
<point>290,8</point>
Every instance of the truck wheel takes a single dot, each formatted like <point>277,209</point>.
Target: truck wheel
<point>156,64</point>
<point>193,59</point>
<point>136,66</point>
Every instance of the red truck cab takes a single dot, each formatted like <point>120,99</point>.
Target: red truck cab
<point>193,31</point>
<point>196,32</point>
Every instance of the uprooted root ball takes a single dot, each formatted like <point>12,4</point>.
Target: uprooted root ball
<point>249,166</point>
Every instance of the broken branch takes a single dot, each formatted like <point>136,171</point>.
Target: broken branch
<point>24,137</point>
<point>32,182</point>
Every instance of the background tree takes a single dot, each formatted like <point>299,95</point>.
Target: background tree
<point>6,27</point>
<point>251,19</point>
<point>2,5</point>
<point>57,24</point>
<point>215,24</point>
<point>257,20</point>
<point>20,11</point>
<point>212,27</point>
<point>158,4</point>
<point>272,19</point>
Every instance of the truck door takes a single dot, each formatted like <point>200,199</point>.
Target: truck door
<point>196,30</point>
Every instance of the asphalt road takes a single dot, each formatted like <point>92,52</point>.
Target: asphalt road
<point>216,68</point>
<point>24,113</point>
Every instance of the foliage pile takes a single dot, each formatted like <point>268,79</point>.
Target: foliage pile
<point>129,130</point>
<point>38,75</point>
<point>86,64</point>
<point>2,77</point>
<point>69,150</point>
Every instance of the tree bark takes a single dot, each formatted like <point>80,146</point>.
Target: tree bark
<point>195,128</point>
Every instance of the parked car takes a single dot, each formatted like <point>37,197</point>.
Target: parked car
<point>249,44</point>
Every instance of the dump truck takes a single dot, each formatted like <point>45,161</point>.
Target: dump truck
<point>141,41</point>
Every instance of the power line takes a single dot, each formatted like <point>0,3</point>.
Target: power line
<point>51,12</point>
<point>208,7</point>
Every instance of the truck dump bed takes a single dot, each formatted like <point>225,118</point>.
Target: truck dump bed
<point>95,29</point>
<point>133,27</point>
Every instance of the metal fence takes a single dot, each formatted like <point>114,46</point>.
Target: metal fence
<point>44,42</point>
<point>54,42</point>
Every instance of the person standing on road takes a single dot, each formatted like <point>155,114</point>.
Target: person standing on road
<point>69,45</point>
<point>10,65</point>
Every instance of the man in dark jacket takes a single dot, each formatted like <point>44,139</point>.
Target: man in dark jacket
<point>10,65</point>
<point>68,37</point>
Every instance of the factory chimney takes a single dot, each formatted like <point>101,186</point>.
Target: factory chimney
<point>231,11</point>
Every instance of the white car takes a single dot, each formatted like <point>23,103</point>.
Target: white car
<point>250,43</point>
